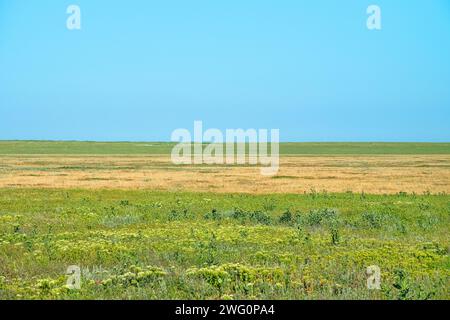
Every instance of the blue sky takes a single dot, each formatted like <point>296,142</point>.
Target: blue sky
<point>137,70</point>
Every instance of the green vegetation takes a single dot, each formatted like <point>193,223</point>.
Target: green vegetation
<point>134,244</point>
<point>143,148</point>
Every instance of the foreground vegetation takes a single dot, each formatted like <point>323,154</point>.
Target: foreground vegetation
<point>134,244</point>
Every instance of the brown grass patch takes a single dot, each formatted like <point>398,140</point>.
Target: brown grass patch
<point>297,174</point>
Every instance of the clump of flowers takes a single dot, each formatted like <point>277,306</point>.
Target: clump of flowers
<point>136,276</point>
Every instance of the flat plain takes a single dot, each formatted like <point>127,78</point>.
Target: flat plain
<point>140,227</point>
<point>377,174</point>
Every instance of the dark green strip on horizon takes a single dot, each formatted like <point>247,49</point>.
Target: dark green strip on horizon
<point>286,148</point>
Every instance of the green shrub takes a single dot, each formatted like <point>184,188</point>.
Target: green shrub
<point>286,218</point>
<point>322,217</point>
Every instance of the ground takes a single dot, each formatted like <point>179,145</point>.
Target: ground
<point>378,174</point>
<point>140,227</point>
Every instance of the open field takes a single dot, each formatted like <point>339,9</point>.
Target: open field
<point>159,245</point>
<point>140,227</point>
<point>298,174</point>
<point>164,148</point>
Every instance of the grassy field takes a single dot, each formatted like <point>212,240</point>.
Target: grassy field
<point>161,148</point>
<point>140,227</point>
<point>159,245</point>
<point>377,174</point>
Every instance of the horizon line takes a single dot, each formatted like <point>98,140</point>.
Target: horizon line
<point>160,141</point>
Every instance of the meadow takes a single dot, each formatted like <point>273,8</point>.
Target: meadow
<point>160,148</point>
<point>375,174</point>
<point>282,237</point>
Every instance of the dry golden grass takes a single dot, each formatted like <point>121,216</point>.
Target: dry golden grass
<point>297,174</point>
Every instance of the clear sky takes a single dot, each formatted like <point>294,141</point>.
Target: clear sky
<point>137,70</point>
